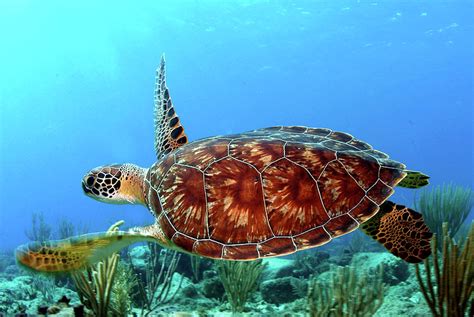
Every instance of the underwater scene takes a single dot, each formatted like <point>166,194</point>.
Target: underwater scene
<point>236,158</point>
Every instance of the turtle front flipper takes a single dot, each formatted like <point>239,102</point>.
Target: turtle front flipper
<point>169,133</point>
<point>414,179</point>
<point>401,230</point>
<point>74,253</point>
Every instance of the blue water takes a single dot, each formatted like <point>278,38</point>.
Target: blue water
<point>77,79</point>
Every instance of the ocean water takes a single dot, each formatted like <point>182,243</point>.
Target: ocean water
<point>77,81</point>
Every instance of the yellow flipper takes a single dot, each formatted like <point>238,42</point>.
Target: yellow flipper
<point>414,179</point>
<point>74,253</point>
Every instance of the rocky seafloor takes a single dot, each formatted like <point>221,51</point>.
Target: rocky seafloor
<point>281,291</point>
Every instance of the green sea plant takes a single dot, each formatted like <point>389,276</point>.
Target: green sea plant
<point>299,287</point>
<point>123,289</point>
<point>45,285</point>
<point>155,286</point>
<point>310,262</point>
<point>240,280</point>
<point>5,260</point>
<point>448,281</point>
<point>40,231</point>
<point>196,267</point>
<point>347,294</point>
<point>67,229</point>
<point>449,204</point>
<point>94,284</point>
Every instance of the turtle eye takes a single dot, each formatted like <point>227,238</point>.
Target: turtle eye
<point>85,189</point>
<point>90,181</point>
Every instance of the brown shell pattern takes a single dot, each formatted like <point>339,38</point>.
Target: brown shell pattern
<point>268,192</point>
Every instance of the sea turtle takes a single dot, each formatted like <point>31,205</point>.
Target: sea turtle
<point>258,194</point>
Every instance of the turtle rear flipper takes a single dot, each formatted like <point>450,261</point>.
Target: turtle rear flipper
<point>74,253</point>
<point>414,179</point>
<point>401,230</point>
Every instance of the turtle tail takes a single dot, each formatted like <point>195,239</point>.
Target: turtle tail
<point>401,230</point>
<point>414,179</point>
<point>73,253</point>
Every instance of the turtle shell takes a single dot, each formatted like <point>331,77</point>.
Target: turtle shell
<point>268,192</point>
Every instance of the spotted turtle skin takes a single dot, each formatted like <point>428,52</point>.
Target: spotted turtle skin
<point>267,192</point>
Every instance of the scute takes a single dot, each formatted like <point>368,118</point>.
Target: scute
<point>318,131</point>
<point>361,166</point>
<point>364,210</point>
<point>340,136</point>
<point>341,225</point>
<point>166,226</point>
<point>391,176</point>
<point>312,157</point>
<point>202,153</point>
<point>380,192</point>
<point>338,146</point>
<point>312,238</point>
<point>257,152</point>
<point>268,192</point>
<point>293,129</point>
<point>292,199</point>
<point>159,169</point>
<point>276,246</point>
<point>208,248</point>
<point>243,252</point>
<point>184,200</point>
<point>359,144</point>
<point>236,210</point>
<point>185,242</point>
<point>340,192</point>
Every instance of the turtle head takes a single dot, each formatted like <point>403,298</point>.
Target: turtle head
<point>116,184</point>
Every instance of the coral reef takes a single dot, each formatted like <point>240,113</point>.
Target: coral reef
<point>148,280</point>
<point>349,293</point>
<point>395,270</point>
<point>208,296</point>
<point>283,290</point>
<point>19,294</point>
<point>212,286</point>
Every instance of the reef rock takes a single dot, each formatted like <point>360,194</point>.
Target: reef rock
<point>283,290</point>
<point>395,269</point>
